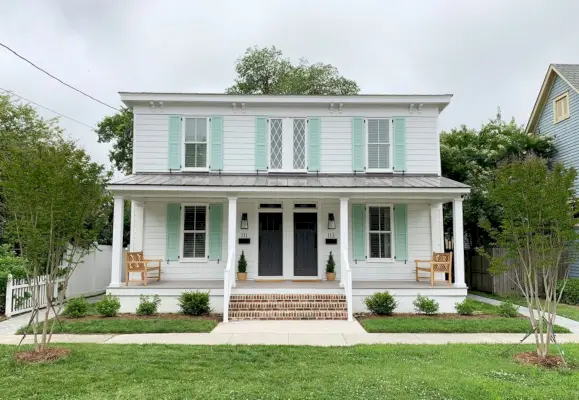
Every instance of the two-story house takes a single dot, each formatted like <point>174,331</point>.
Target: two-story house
<point>556,113</point>
<point>287,180</point>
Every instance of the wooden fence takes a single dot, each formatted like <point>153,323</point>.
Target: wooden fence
<point>479,278</point>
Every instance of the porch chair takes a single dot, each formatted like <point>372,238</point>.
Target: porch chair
<point>441,262</point>
<point>135,262</point>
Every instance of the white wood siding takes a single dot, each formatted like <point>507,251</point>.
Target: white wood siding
<point>151,136</point>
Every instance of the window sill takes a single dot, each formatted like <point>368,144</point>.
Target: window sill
<point>562,119</point>
<point>193,260</point>
<point>380,170</point>
<point>381,260</point>
<point>190,169</point>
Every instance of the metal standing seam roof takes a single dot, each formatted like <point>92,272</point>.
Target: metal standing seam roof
<point>275,180</point>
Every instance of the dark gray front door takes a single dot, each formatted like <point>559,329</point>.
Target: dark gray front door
<point>305,244</point>
<point>270,244</point>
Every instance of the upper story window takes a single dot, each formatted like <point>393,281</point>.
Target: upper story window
<point>379,147</point>
<point>561,107</point>
<point>195,148</point>
<point>287,144</point>
<point>380,232</point>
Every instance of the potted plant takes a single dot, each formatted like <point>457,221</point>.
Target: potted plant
<point>242,268</point>
<point>331,268</point>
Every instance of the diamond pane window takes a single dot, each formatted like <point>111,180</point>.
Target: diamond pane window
<point>299,130</point>
<point>380,232</point>
<point>276,147</point>
<point>379,143</point>
<point>194,231</point>
<point>196,143</point>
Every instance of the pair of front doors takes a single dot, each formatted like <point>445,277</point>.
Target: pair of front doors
<point>271,249</point>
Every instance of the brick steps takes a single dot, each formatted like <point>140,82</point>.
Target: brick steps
<point>287,306</point>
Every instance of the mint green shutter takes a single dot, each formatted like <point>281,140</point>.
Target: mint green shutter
<point>314,139</point>
<point>358,231</point>
<point>401,231</point>
<point>216,143</point>
<point>215,230</point>
<point>173,234</point>
<point>399,144</point>
<point>174,142</point>
<point>260,143</point>
<point>358,144</point>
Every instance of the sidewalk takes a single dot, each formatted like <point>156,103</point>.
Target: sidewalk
<point>573,326</point>
<point>310,333</point>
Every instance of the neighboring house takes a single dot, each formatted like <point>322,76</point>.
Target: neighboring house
<point>556,113</point>
<point>287,180</point>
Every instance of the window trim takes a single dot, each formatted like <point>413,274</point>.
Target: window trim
<point>564,116</point>
<point>182,232</point>
<point>390,141</point>
<point>392,233</point>
<point>207,143</point>
<point>284,141</point>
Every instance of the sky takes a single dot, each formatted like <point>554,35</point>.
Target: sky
<point>487,53</point>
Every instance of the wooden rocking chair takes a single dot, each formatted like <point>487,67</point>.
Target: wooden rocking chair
<point>441,262</point>
<point>135,262</point>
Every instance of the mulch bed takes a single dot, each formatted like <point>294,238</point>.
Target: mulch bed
<point>211,317</point>
<point>34,357</point>
<point>531,357</point>
<point>435,316</point>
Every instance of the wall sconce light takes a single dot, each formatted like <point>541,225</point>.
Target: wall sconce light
<point>244,222</point>
<point>331,221</point>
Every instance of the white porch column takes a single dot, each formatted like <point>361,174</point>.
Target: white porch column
<point>344,238</point>
<point>458,237</point>
<point>436,228</point>
<point>232,231</point>
<point>117,251</point>
<point>137,225</point>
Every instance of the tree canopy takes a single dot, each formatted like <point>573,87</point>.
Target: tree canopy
<point>472,157</point>
<point>118,129</point>
<point>266,71</point>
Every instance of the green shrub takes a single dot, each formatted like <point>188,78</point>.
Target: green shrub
<point>381,303</point>
<point>194,303</point>
<point>465,307</point>
<point>508,309</point>
<point>331,264</point>
<point>425,305</point>
<point>10,264</point>
<point>148,305</point>
<point>242,263</point>
<point>571,291</point>
<point>76,307</point>
<point>109,306</point>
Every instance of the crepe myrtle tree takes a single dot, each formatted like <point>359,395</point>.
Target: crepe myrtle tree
<point>54,199</point>
<point>537,230</point>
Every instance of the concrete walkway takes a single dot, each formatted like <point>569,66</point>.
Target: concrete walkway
<point>310,333</point>
<point>570,324</point>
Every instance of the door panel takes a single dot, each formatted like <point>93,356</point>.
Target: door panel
<point>270,262</point>
<point>305,244</point>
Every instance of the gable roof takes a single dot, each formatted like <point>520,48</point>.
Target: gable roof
<point>568,72</point>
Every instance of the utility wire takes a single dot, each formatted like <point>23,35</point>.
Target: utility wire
<point>46,108</point>
<point>54,77</point>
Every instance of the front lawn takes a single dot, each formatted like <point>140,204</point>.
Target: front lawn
<point>130,323</point>
<point>487,320</point>
<point>131,372</point>
<point>564,310</point>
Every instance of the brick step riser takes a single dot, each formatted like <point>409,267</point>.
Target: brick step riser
<point>288,315</point>
<point>287,297</point>
<point>290,306</point>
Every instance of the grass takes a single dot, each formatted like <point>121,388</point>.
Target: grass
<point>134,324</point>
<point>95,371</point>
<point>491,322</point>
<point>563,310</point>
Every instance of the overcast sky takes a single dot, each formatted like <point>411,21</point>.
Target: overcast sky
<point>487,53</point>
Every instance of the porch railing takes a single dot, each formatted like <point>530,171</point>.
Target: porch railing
<point>228,283</point>
<point>347,281</point>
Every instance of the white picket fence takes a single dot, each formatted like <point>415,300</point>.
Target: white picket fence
<point>91,277</point>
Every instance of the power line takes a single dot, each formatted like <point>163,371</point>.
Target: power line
<point>54,77</point>
<point>46,108</point>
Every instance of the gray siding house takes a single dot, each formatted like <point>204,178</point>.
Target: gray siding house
<point>556,113</point>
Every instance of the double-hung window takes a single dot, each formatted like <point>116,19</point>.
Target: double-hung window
<point>287,144</point>
<point>380,232</point>
<point>195,148</point>
<point>194,232</point>
<point>379,147</point>
<point>561,107</point>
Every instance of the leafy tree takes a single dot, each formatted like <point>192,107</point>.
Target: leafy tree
<point>266,71</point>
<point>54,197</point>
<point>472,157</point>
<point>118,129</point>
<point>537,229</point>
